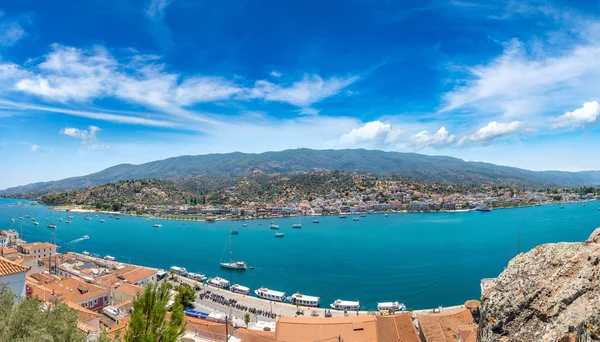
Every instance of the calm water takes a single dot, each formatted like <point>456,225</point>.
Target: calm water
<point>423,260</point>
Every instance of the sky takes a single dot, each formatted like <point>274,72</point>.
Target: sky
<point>85,85</point>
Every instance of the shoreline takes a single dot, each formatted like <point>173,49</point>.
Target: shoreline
<point>283,309</point>
<point>78,209</point>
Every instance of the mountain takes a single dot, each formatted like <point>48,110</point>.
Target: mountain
<point>237,164</point>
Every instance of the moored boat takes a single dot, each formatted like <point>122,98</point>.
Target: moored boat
<point>356,219</point>
<point>274,226</point>
<point>300,299</point>
<point>279,235</point>
<point>234,232</point>
<point>236,288</point>
<point>315,221</point>
<point>102,221</point>
<point>157,225</point>
<point>483,207</point>
<point>343,215</point>
<point>244,225</point>
<point>219,282</point>
<point>232,265</point>
<point>296,225</point>
<point>391,306</point>
<point>53,226</point>
<point>265,293</point>
<point>345,305</point>
<point>85,253</point>
<point>110,258</point>
<point>35,223</point>
<point>196,276</point>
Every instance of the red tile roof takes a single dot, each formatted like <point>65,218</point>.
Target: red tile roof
<point>8,267</point>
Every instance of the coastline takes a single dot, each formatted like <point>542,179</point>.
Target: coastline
<point>283,309</point>
<point>78,209</point>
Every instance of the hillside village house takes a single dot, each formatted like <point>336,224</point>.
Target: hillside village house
<point>12,275</point>
<point>38,249</point>
<point>9,238</point>
<point>86,295</point>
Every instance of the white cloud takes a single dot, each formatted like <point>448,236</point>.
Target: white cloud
<point>439,139</point>
<point>37,149</point>
<point>491,131</point>
<point>275,74</point>
<point>374,132</point>
<point>311,89</point>
<point>156,9</point>
<point>87,136</point>
<point>530,81</point>
<point>10,33</point>
<point>588,114</point>
<point>69,74</point>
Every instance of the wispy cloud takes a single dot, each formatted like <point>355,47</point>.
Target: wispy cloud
<point>88,137</point>
<point>275,74</point>
<point>11,30</point>
<point>586,115</point>
<point>38,149</point>
<point>155,11</point>
<point>492,131</point>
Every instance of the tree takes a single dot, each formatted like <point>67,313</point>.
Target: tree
<point>185,296</point>
<point>148,321</point>
<point>247,318</point>
<point>26,320</point>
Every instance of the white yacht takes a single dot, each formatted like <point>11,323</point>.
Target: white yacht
<point>196,276</point>
<point>36,223</point>
<point>300,299</point>
<point>345,305</point>
<point>219,282</point>
<point>102,221</point>
<point>356,219</point>
<point>67,221</point>
<point>236,288</point>
<point>12,220</point>
<point>244,225</point>
<point>85,253</point>
<point>179,270</point>
<point>233,265</point>
<point>391,306</point>
<point>85,237</point>
<point>279,235</point>
<point>71,217</point>
<point>53,226</point>
<point>296,225</point>
<point>158,225</point>
<point>87,217</point>
<point>265,293</point>
<point>343,215</point>
<point>110,258</point>
<point>384,215</point>
<point>60,219</point>
<point>274,226</point>
<point>315,221</point>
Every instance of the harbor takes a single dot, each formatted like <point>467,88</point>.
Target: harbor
<point>400,257</point>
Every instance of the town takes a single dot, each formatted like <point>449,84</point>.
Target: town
<point>102,291</point>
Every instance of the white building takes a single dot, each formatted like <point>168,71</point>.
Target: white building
<point>13,276</point>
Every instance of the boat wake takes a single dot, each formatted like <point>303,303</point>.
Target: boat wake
<point>85,237</point>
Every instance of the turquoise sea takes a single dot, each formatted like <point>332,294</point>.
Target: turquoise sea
<point>421,259</point>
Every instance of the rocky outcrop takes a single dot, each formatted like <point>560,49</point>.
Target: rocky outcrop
<point>550,293</point>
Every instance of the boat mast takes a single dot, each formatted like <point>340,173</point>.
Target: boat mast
<point>230,248</point>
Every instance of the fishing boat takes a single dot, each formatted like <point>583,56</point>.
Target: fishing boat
<point>356,219</point>
<point>219,282</point>
<point>483,207</point>
<point>279,235</point>
<point>158,225</point>
<point>274,226</point>
<point>304,300</point>
<point>343,215</point>
<point>234,232</point>
<point>110,258</point>
<point>53,226</point>
<point>197,276</point>
<point>265,293</point>
<point>315,221</point>
<point>391,306</point>
<point>345,305</point>
<point>232,265</point>
<point>236,288</point>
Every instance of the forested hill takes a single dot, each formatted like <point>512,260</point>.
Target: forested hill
<point>428,168</point>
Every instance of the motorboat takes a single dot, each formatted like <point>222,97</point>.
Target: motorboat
<point>304,300</point>
<point>236,288</point>
<point>265,293</point>
<point>345,305</point>
<point>219,282</point>
<point>391,306</point>
<point>110,258</point>
<point>279,235</point>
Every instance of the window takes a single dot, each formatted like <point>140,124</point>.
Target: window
<point>95,301</point>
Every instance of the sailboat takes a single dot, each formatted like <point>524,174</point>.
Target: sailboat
<point>233,265</point>
<point>297,225</point>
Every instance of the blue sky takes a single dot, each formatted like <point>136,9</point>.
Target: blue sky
<point>86,85</point>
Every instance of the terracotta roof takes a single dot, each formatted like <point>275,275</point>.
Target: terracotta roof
<point>205,329</point>
<point>5,251</point>
<point>108,280</point>
<point>246,335</point>
<point>118,330</point>
<point>41,292</point>
<point>133,274</point>
<point>83,315</point>
<point>8,267</point>
<point>468,334</point>
<point>125,306</point>
<point>37,245</point>
<point>394,328</point>
<point>130,289</point>
<point>350,329</point>
<point>77,291</point>
<point>444,327</point>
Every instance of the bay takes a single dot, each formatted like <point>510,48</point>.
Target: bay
<point>421,259</point>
